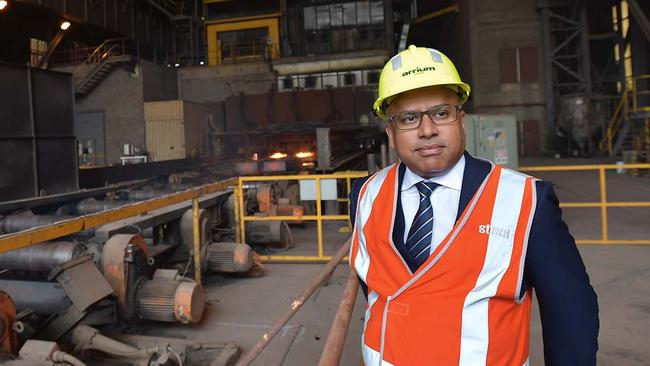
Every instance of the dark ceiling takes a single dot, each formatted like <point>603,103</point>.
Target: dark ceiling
<point>20,21</point>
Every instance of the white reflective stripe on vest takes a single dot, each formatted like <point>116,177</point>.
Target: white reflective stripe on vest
<point>370,356</point>
<point>505,214</point>
<point>364,208</point>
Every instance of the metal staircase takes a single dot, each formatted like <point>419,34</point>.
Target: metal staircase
<point>629,127</point>
<point>99,64</point>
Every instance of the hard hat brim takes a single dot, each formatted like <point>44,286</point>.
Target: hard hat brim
<point>381,104</point>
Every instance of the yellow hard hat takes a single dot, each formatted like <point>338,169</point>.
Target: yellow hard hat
<point>417,67</point>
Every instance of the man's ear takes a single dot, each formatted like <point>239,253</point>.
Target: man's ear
<point>389,132</point>
<point>461,117</point>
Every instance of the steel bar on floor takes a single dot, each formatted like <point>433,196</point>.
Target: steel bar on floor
<point>333,349</point>
<point>296,304</point>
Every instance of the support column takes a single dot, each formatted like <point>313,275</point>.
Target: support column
<point>324,149</point>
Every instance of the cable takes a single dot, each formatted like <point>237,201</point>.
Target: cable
<point>189,261</point>
<point>58,356</point>
<point>178,356</point>
<point>138,228</point>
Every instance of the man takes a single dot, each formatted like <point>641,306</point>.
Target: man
<point>448,247</point>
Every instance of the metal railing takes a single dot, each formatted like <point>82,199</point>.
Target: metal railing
<point>603,203</point>
<point>636,108</point>
<point>123,46</point>
<point>615,123</point>
<point>319,217</point>
<point>245,52</point>
<point>630,95</point>
<point>109,47</point>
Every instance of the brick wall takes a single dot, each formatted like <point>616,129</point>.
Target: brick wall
<point>120,98</point>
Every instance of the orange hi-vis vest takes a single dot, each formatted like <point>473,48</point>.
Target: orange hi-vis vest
<point>463,306</point>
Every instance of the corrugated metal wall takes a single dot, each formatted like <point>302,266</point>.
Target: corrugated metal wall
<point>162,111</point>
<point>165,139</point>
<point>176,129</point>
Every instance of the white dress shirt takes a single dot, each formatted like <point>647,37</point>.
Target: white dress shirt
<point>444,199</point>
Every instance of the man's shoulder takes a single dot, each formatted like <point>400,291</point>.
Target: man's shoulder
<point>357,184</point>
<point>474,164</point>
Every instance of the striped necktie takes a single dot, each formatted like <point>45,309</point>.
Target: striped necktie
<point>419,237</point>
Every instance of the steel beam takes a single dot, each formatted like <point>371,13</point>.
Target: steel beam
<point>640,17</point>
<point>558,19</point>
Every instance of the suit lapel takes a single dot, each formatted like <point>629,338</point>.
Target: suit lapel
<point>398,228</point>
<point>475,172</point>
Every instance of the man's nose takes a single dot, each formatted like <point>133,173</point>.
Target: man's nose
<point>427,126</point>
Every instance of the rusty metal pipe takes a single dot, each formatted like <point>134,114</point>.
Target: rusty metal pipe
<point>42,297</point>
<point>296,304</point>
<point>333,349</point>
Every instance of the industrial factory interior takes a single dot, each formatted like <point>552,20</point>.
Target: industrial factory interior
<point>185,182</point>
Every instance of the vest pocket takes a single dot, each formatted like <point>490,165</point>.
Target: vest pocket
<point>398,308</point>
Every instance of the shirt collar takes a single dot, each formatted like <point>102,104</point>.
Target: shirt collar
<point>453,178</point>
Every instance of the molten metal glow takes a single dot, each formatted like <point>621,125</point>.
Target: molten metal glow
<point>304,154</point>
<point>278,155</point>
<point>308,164</point>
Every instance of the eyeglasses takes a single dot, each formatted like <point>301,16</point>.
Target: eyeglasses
<point>441,115</point>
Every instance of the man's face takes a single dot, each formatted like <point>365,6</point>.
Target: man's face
<point>430,149</point>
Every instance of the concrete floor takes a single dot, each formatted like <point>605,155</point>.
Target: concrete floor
<point>242,309</point>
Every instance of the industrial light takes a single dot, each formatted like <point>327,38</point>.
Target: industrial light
<point>304,154</point>
<point>3,4</point>
<point>177,64</point>
<point>278,155</point>
<point>308,164</point>
<point>201,63</point>
<point>65,25</point>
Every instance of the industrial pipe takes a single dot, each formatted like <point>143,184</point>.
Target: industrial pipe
<point>296,304</point>
<point>24,221</point>
<point>384,155</point>
<point>147,194</point>
<point>85,337</point>
<point>333,349</point>
<point>372,163</point>
<point>20,222</point>
<point>91,206</point>
<point>41,257</point>
<point>42,297</point>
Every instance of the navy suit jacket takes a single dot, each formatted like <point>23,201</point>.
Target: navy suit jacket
<point>553,268</point>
